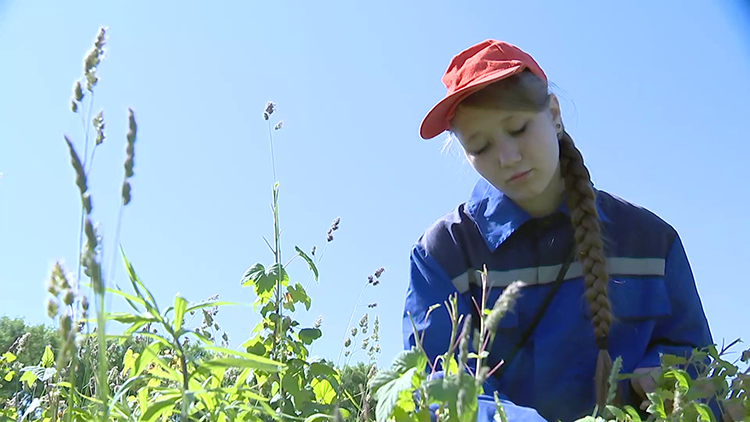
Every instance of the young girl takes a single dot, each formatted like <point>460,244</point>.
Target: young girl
<point>629,290</point>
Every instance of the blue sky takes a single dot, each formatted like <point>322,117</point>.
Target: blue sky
<point>654,93</point>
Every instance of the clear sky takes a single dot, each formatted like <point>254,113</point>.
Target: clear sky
<point>654,93</point>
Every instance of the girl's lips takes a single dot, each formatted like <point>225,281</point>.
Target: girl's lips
<point>519,176</point>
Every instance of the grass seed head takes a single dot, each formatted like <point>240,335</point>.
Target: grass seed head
<point>77,166</point>
<point>504,303</point>
<point>69,297</point>
<point>52,307</point>
<point>279,125</point>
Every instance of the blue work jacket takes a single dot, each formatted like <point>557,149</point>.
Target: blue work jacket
<point>655,304</point>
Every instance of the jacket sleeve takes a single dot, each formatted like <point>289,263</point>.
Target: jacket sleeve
<point>686,327</point>
<point>429,284</point>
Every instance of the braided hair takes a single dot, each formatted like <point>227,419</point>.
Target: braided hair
<point>526,92</point>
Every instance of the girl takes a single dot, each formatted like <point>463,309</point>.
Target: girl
<point>629,290</point>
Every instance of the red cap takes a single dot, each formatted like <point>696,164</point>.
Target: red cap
<point>472,70</point>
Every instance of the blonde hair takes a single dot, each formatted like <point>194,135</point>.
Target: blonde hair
<point>527,92</point>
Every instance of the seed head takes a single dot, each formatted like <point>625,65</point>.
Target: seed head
<point>270,108</point>
<point>68,297</point>
<point>372,305</point>
<point>77,92</point>
<point>99,126</point>
<point>77,166</point>
<point>66,324</point>
<point>312,251</point>
<point>20,344</point>
<point>279,125</point>
<point>354,331</point>
<point>504,303</point>
<point>52,307</point>
<point>85,303</point>
<point>379,272</point>
<point>348,342</point>
<point>318,322</point>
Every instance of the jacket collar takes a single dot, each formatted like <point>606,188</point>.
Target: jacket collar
<point>497,216</point>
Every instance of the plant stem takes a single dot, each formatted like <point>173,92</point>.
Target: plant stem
<point>102,367</point>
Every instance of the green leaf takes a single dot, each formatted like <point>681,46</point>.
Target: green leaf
<point>277,273</point>
<point>9,376</point>
<point>299,295</point>
<point>704,412</point>
<point>207,305</point>
<point>48,358</point>
<point>126,318</point>
<point>681,376</point>
<point>28,375</point>
<point>619,414</point>
<point>309,261</point>
<point>180,305</point>
<point>148,355</point>
<point>151,306</point>
<point>128,362</point>
<point>308,335</point>
<point>323,390</point>
<point>407,359</point>
<point>160,406</point>
<point>318,368</point>
<point>634,415</point>
<point>672,360</point>
<point>253,275</point>
<point>261,362</point>
<point>387,394</point>
<point>657,405</point>
<point>441,389</point>
<point>231,362</point>
<point>9,357</point>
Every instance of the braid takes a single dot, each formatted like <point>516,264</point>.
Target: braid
<point>590,251</point>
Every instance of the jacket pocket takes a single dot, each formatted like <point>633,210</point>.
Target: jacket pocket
<point>634,298</point>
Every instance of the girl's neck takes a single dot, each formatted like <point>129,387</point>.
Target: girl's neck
<point>548,201</point>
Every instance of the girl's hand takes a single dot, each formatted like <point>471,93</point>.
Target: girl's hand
<point>645,382</point>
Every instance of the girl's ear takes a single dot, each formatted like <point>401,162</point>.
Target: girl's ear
<point>554,109</point>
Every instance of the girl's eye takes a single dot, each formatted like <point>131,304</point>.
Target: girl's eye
<point>480,151</point>
<point>519,131</point>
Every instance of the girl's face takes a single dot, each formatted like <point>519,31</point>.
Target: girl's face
<point>516,151</point>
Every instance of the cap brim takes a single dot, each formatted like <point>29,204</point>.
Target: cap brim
<point>438,118</point>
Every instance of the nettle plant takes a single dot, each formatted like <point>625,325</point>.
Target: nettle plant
<point>408,391</point>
